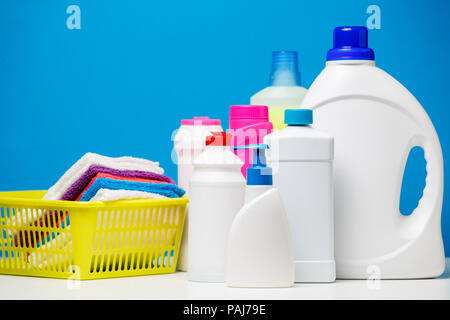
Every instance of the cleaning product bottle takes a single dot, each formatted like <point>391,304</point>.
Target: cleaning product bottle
<point>302,162</point>
<point>375,122</point>
<point>189,142</point>
<point>216,194</point>
<point>285,89</point>
<point>260,251</point>
<point>248,125</point>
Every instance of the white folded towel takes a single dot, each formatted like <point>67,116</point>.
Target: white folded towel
<point>109,195</point>
<point>77,170</point>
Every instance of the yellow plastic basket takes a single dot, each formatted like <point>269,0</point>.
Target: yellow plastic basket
<point>88,240</point>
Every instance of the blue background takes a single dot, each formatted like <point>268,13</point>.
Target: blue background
<point>121,84</point>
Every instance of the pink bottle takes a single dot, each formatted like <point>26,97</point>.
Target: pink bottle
<point>248,125</point>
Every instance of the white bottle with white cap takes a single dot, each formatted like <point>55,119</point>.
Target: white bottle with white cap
<point>301,158</point>
<point>189,142</point>
<point>217,190</point>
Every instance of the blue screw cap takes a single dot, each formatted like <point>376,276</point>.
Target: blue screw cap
<point>298,117</point>
<point>259,174</point>
<point>350,43</point>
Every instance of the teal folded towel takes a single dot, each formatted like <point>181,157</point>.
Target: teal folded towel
<point>165,189</point>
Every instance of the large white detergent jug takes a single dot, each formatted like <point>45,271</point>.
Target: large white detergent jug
<point>375,122</point>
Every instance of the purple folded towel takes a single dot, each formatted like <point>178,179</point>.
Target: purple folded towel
<point>82,182</point>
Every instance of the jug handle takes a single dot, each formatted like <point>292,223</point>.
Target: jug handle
<point>430,205</point>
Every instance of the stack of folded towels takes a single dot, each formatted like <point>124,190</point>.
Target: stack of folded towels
<point>99,178</point>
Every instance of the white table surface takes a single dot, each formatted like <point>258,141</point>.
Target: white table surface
<point>176,286</point>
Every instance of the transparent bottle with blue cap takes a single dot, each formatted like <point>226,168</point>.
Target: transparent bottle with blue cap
<point>260,249</point>
<point>284,90</point>
<point>301,158</point>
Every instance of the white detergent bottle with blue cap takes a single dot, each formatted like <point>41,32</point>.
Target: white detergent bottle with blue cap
<point>375,122</point>
<point>260,249</point>
<point>301,158</point>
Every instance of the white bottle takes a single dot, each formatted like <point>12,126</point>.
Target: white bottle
<point>260,250</point>
<point>302,161</point>
<point>375,122</point>
<point>217,190</point>
<point>189,142</point>
<point>284,90</point>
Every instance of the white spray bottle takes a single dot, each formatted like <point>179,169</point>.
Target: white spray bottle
<point>260,249</point>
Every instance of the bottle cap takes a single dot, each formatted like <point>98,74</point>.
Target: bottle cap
<point>298,117</point>
<point>220,139</point>
<point>350,43</point>
<point>259,174</point>
<point>200,121</point>
<point>249,112</point>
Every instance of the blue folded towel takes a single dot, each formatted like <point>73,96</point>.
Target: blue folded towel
<point>165,189</point>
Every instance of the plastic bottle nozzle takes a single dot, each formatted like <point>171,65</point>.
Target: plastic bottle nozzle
<point>259,173</point>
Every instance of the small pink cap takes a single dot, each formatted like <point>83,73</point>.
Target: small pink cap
<point>200,121</point>
<point>249,112</point>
